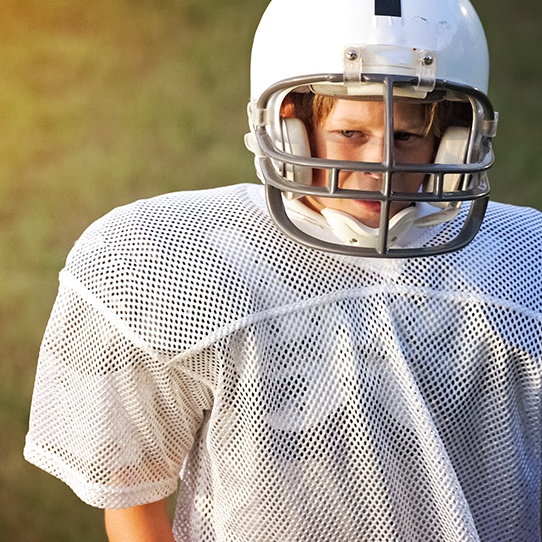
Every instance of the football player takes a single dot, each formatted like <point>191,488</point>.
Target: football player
<point>349,351</point>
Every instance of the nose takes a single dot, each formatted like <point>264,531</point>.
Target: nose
<point>372,150</point>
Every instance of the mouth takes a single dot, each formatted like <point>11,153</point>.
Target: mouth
<point>369,205</point>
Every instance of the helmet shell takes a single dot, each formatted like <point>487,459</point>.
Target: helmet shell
<point>305,37</point>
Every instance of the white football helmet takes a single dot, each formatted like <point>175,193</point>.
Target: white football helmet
<point>426,51</point>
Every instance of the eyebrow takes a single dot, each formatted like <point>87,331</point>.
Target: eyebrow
<point>350,123</point>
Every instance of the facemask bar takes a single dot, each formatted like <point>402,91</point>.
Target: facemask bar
<point>479,158</point>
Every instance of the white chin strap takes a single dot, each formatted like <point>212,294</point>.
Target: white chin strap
<point>352,232</point>
<point>349,230</point>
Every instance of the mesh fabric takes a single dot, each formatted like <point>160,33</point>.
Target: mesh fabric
<point>300,396</point>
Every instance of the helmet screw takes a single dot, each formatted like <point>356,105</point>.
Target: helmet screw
<point>352,54</point>
<point>428,60</point>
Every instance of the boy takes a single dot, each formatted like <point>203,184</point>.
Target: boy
<point>365,371</point>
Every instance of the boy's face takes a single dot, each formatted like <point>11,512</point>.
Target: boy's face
<point>354,130</point>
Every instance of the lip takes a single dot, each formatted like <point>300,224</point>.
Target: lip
<point>369,205</point>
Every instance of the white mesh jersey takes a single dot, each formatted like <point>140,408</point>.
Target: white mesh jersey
<point>299,395</point>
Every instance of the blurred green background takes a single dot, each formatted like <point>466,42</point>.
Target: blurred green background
<point>109,101</point>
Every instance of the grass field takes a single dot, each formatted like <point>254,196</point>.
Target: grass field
<point>106,102</point>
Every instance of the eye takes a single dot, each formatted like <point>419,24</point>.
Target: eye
<point>405,136</point>
<point>349,134</point>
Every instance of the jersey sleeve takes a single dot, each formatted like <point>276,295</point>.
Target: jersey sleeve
<point>111,415</point>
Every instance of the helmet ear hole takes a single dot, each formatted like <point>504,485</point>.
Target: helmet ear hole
<point>452,150</point>
<point>295,140</point>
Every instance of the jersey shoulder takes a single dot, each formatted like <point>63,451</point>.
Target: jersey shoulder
<point>178,267</point>
<point>504,261</point>
<point>512,234</point>
<point>171,228</point>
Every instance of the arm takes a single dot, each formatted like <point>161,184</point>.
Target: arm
<point>146,523</point>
